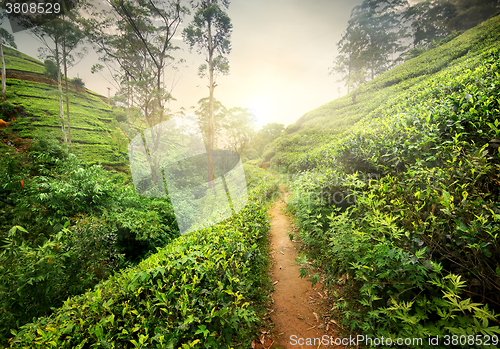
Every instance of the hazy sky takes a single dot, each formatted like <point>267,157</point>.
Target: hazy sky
<point>281,53</point>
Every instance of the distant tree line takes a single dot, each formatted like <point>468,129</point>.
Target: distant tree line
<point>383,33</point>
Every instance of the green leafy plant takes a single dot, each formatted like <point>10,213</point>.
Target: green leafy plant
<point>201,290</point>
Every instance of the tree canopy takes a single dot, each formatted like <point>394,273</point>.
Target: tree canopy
<point>383,33</point>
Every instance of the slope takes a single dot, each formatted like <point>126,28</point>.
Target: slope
<point>316,129</point>
<point>93,119</point>
<point>402,208</point>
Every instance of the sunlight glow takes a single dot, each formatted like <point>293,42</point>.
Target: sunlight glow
<point>261,107</point>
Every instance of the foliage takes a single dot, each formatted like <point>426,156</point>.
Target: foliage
<point>376,37</point>
<point>202,290</point>
<point>265,136</point>
<point>239,129</point>
<point>134,41</point>
<point>372,36</point>
<point>8,111</point>
<point>94,242</point>
<point>263,185</point>
<point>45,190</point>
<point>220,114</point>
<point>32,278</point>
<point>91,118</point>
<point>78,82</point>
<point>118,141</point>
<point>403,209</point>
<point>210,31</point>
<point>50,69</point>
<point>233,128</point>
<point>434,20</point>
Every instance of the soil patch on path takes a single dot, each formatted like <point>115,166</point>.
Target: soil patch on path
<point>297,306</point>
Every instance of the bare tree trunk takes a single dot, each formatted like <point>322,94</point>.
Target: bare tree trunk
<point>67,94</point>
<point>4,77</point>
<point>210,104</point>
<point>128,100</point>
<point>61,112</point>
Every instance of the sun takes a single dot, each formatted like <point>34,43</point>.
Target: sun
<point>261,107</point>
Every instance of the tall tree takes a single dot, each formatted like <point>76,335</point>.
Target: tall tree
<point>381,21</point>
<point>51,35</point>
<point>239,129</point>
<point>72,39</point>
<point>432,20</point>
<point>67,40</point>
<point>428,21</point>
<point>373,37</point>
<point>137,36</point>
<point>210,31</point>
<point>220,113</point>
<point>8,38</point>
<point>134,40</point>
<point>349,62</point>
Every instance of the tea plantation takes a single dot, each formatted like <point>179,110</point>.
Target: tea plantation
<point>93,118</point>
<point>395,188</point>
<point>87,262</point>
<point>397,195</point>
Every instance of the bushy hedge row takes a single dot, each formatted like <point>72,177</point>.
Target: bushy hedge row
<point>202,290</point>
<point>404,210</point>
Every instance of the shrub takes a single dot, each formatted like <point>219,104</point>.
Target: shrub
<point>32,278</point>
<point>418,251</point>
<point>93,241</point>
<point>200,291</point>
<point>8,111</point>
<point>51,69</point>
<point>78,82</point>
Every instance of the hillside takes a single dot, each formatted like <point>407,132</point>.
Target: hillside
<point>397,196</point>
<point>316,129</point>
<point>93,121</point>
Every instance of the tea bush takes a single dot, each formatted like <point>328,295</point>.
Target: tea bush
<point>32,278</point>
<point>202,290</point>
<point>94,242</point>
<point>416,246</point>
<point>46,192</point>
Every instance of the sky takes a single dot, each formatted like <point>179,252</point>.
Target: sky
<point>281,54</point>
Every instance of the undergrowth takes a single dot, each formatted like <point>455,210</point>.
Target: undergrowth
<point>403,212</point>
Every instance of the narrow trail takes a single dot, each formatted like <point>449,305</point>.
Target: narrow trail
<point>297,306</point>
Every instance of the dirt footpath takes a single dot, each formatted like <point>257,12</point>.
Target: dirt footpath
<point>297,307</point>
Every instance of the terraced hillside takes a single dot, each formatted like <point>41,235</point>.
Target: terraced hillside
<point>93,118</point>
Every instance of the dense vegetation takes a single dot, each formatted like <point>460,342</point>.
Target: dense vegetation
<point>72,224</point>
<point>403,207</point>
<point>99,130</point>
<point>395,190</point>
<point>204,289</point>
<point>67,226</point>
